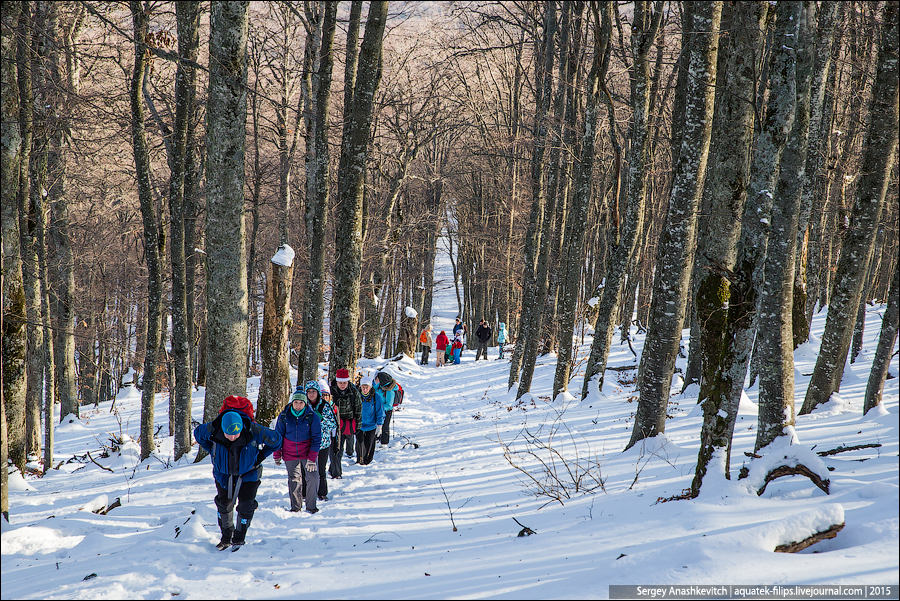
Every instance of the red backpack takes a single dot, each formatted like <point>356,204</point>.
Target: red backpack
<point>238,403</point>
<point>398,395</point>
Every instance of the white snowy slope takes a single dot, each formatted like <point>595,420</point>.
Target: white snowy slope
<point>387,529</point>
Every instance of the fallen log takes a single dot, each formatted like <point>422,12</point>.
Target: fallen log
<point>843,449</point>
<point>793,547</point>
<point>798,470</point>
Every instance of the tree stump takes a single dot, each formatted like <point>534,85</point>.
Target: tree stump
<point>409,328</point>
<point>275,383</point>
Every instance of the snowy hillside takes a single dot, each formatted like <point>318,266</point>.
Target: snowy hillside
<point>387,530</point>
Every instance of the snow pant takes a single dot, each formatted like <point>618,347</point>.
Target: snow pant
<point>501,350</point>
<point>386,427</point>
<point>448,354</point>
<point>323,480</point>
<point>482,349</point>
<point>456,354</point>
<point>425,351</point>
<point>366,448</point>
<point>245,498</point>
<point>295,470</point>
<point>347,436</point>
<point>309,486</point>
<point>335,470</point>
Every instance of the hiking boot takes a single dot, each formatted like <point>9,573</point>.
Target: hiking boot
<point>312,511</point>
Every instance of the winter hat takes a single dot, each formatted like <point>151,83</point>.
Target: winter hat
<point>324,388</point>
<point>298,394</point>
<point>232,423</point>
<point>342,375</point>
<point>366,381</point>
<point>384,379</point>
<point>312,385</point>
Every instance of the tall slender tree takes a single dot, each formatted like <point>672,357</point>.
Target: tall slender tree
<point>154,240</point>
<point>351,171</point>
<point>187,14</point>
<point>644,29</point>
<point>879,154</point>
<point>226,251</point>
<point>675,255</point>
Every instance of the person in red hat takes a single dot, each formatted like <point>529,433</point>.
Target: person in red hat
<point>348,400</point>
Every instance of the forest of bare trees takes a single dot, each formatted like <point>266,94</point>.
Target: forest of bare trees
<point>647,166</point>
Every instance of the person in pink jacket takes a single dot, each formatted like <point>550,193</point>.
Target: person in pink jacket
<point>440,346</point>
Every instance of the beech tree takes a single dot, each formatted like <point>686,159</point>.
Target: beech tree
<point>675,254</point>
<point>226,273</point>
<point>879,153</point>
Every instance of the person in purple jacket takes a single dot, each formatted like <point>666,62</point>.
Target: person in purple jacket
<point>301,428</point>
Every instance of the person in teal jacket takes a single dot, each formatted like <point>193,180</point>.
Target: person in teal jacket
<point>370,422</point>
<point>385,386</point>
<point>502,335</point>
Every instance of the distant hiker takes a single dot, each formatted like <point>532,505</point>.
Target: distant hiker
<point>457,349</point>
<point>385,388</point>
<point>441,344</point>
<point>237,446</point>
<point>483,333</point>
<point>370,422</point>
<point>459,328</point>
<point>302,431</point>
<point>329,416</point>
<point>501,338</point>
<point>348,400</point>
<point>425,339</point>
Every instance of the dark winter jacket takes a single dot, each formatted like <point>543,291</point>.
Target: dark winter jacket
<point>441,342</point>
<point>302,435</point>
<point>241,457</point>
<point>372,411</point>
<point>349,401</point>
<point>483,332</point>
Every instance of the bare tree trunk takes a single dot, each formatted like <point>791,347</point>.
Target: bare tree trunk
<point>675,255</point>
<point>775,341</point>
<point>188,23</point>
<point>726,190</point>
<point>351,174</point>
<point>28,237</point>
<point>14,335</point>
<point>878,159</point>
<point>886,340</point>
<point>317,203</point>
<point>644,28</point>
<point>153,240</point>
<point>819,130</point>
<point>535,275</point>
<point>582,192</point>
<point>226,249</point>
<point>544,55</point>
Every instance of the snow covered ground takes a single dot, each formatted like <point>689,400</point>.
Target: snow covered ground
<point>387,530</point>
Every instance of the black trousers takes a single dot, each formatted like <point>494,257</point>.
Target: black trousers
<point>425,350</point>
<point>386,428</point>
<point>246,500</point>
<point>335,470</point>
<point>365,449</point>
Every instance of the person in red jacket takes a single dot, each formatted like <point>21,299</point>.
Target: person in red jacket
<point>440,345</point>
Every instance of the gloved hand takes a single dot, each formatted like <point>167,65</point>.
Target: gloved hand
<point>278,462</point>
<point>311,466</point>
<point>377,431</point>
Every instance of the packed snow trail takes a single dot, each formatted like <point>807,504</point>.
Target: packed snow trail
<point>387,529</point>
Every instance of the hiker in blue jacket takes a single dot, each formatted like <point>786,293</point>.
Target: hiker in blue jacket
<point>385,387</point>
<point>238,446</point>
<point>370,422</point>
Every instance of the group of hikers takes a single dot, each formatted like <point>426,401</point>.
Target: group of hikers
<point>447,350</point>
<point>319,425</point>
